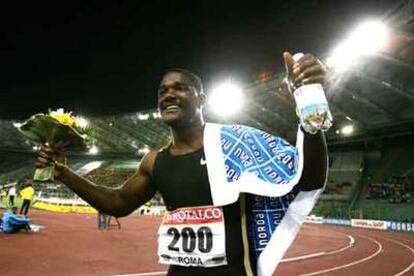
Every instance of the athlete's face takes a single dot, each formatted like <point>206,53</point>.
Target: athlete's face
<point>178,100</point>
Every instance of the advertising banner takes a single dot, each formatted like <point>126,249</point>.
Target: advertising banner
<point>336,221</point>
<point>400,226</point>
<point>372,224</point>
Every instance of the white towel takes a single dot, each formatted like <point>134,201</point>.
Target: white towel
<point>243,159</point>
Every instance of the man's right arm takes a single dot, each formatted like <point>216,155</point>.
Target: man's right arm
<point>117,202</point>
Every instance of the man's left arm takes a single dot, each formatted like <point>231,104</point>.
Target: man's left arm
<point>315,162</point>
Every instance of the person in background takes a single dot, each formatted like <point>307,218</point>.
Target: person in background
<point>102,220</point>
<point>27,195</point>
<point>3,194</point>
<point>12,223</point>
<point>12,195</point>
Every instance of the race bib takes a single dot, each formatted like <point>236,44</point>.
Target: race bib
<point>193,236</point>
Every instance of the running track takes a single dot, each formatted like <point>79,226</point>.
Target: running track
<point>72,245</point>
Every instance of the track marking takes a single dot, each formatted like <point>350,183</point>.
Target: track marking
<point>293,259</point>
<point>303,257</point>
<point>319,254</point>
<point>352,263</point>
<point>159,273</point>
<point>350,244</point>
<point>409,248</point>
<point>298,258</point>
<point>407,240</point>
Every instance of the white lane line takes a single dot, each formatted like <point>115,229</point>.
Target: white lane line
<point>298,258</point>
<point>409,248</point>
<point>351,263</point>
<point>350,244</point>
<point>319,254</point>
<point>159,273</point>
<point>303,257</point>
<point>410,241</point>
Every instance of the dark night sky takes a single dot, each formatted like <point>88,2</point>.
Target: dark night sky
<point>106,57</point>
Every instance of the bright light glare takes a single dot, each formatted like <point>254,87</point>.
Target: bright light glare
<point>17,125</point>
<point>347,130</point>
<point>367,39</point>
<point>226,99</point>
<point>94,150</point>
<point>371,37</point>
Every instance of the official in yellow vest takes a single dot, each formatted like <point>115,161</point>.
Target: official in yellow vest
<point>27,195</point>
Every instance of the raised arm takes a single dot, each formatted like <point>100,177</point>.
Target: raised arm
<point>315,163</point>
<point>306,71</point>
<point>117,202</point>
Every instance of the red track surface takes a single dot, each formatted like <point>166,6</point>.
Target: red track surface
<point>71,244</point>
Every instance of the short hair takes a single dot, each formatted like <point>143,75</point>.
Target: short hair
<point>194,79</point>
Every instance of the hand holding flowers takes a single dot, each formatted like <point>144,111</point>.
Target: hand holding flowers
<point>55,132</point>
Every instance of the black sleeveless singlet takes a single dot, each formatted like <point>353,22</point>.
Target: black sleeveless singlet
<point>183,182</point>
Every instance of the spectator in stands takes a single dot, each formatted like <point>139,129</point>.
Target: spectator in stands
<point>407,197</point>
<point>27,195</point>
<point>12,195</point>
<point>394,189</point>
<point>12,223</point>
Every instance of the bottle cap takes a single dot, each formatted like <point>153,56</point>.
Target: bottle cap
<point>297,56</point>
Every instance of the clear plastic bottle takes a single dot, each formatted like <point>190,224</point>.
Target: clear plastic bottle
<point>312,106</point>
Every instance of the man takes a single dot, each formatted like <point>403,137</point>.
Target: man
<point>27,195</point>
<point>13,223</point>
<point>12,195</point>
<point>179,174</point>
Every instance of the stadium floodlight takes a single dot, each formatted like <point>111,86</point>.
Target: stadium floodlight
<point>94,150</point>
<point>371,36</point>
<point>226,99</point>
<point>347,130</point>
<point>368,38</point>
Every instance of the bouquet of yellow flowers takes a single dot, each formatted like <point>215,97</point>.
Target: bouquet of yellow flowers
<point>56,129</point>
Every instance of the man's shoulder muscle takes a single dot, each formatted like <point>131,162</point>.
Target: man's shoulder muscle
<point>147,163</point>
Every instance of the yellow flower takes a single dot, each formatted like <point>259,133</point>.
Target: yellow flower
<point>63,118</point>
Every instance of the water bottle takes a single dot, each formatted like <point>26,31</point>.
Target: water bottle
<point>312,106</point>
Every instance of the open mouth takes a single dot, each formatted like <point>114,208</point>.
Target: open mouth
<point>171,108</point>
